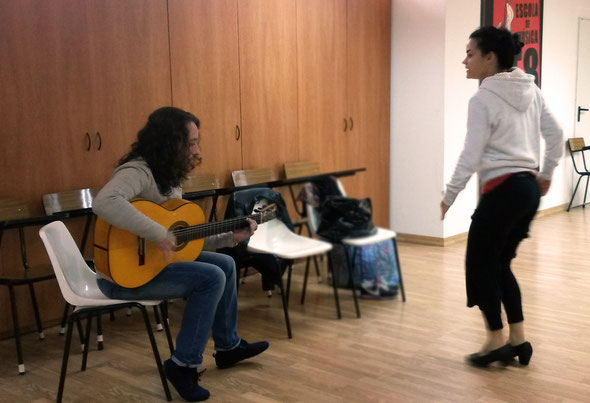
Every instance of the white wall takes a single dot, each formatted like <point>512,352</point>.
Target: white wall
<point>429,105</point>
<point>462,18</point>
<point>558,69</point>
<point>429,100</point>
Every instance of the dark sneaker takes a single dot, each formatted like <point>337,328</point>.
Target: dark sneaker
<point>185,381</point>
<point>225,359</point>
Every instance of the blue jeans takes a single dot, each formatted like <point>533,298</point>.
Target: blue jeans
<point>209,285</point>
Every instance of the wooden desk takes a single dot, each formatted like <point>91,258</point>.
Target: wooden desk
<point>272,184</point>
<point>215,193</point>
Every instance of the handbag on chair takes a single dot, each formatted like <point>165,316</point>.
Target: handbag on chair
<point>345,217</point>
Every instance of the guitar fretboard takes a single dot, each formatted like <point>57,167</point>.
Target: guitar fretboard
<point>204,230</point>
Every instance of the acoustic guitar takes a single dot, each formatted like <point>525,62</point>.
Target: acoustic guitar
<point>131,261</point>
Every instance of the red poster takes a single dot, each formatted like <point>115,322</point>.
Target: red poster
<point>524,17</point>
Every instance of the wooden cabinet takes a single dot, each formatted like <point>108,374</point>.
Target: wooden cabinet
<point>268,82</point>
<point>70,70</point>
<point>233,66</point>
<point>42,99</point>
<point>206,78</point>
<point>343,62</point>
<point>128,59</point>
<point>321,71</point>
<point>368,96</point>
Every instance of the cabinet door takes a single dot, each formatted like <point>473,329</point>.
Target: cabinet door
<point>130,77</point>
<point>74,67</point>
<point>205,78</point>
<point>44,100</point>
<point>321,71</point>
<point>268,82</point>
<point>368,84</point>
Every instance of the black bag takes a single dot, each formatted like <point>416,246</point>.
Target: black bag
<point>345,217</point>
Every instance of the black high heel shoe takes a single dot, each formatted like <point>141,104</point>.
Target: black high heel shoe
<point>503,354</point>
<point>524,352</point>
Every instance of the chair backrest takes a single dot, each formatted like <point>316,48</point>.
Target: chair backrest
<point>13,209</point>
<point>76,280</point>
<point>576,144</point>
<point>313,215</point>
<point>253,176</point>
<point>200,181</point>
<point>69,201</point>
<point>297,169</point>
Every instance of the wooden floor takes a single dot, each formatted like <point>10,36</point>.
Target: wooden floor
<point>395,352</point>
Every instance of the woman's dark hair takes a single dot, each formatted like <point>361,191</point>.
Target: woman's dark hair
<point>502,42</point>
<point>163,143</point>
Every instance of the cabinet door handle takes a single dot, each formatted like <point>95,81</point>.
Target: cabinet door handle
<point>351,123</point>
<point>99,141</point>
<point>345,124</point>
<point>580,110</point>
<point>88,141</point>
<point>238,133</point>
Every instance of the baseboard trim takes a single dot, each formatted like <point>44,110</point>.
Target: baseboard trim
<point>430,240</point>
<point>434,241</point>
<point>551,210</point>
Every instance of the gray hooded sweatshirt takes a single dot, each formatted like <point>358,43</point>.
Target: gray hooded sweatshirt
<point>135,179</point>
<point>506,119</point>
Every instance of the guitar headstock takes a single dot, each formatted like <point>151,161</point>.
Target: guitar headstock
<point>266,213</point>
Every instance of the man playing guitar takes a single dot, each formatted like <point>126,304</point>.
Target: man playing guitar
<point>165,152</point>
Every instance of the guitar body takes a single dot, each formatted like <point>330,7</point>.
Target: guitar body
<point>131,261</point>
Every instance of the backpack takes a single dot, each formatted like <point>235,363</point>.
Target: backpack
<point>374,269</point>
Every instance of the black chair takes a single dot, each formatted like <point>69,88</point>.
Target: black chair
<point>11,212</point>
<point>576,145</point>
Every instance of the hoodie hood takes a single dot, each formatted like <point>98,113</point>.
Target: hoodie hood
<point>515,87</point>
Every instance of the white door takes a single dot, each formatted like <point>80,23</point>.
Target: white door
<point>582,117</point>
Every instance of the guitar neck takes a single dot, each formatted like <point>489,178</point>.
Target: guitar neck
<point>204,230</point>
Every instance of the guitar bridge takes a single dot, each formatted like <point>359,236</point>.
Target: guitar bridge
<point>141,251</point>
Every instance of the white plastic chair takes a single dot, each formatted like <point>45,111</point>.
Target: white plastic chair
<point>382,234</point>
<point>78,286</point>
<point>274,237</point>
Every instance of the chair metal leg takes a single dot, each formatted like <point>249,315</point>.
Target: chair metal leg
<point>334,284</point>
<point>353,285</point>
<point>64,319</point>
<point>574,194</point>
<point>166,322</point>
<point>36,312</point>
<point>99,338</point>
<point>16,328</point>
<point>317,269</point>
<point>305,280</point>
<point>290,271</point>
<point>64,362</point>
<point>245,274</point>
<point>87,340</point>
<point>285,307</point>
<point>399,270</point>
<point>159,327</point>
<point>80,333</point>
<point>155,350</point>
<point>585,192</point>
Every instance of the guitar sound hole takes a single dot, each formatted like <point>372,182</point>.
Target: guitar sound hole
<point>181,242</point>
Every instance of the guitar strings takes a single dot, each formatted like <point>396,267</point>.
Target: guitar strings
<point>198,229</point>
